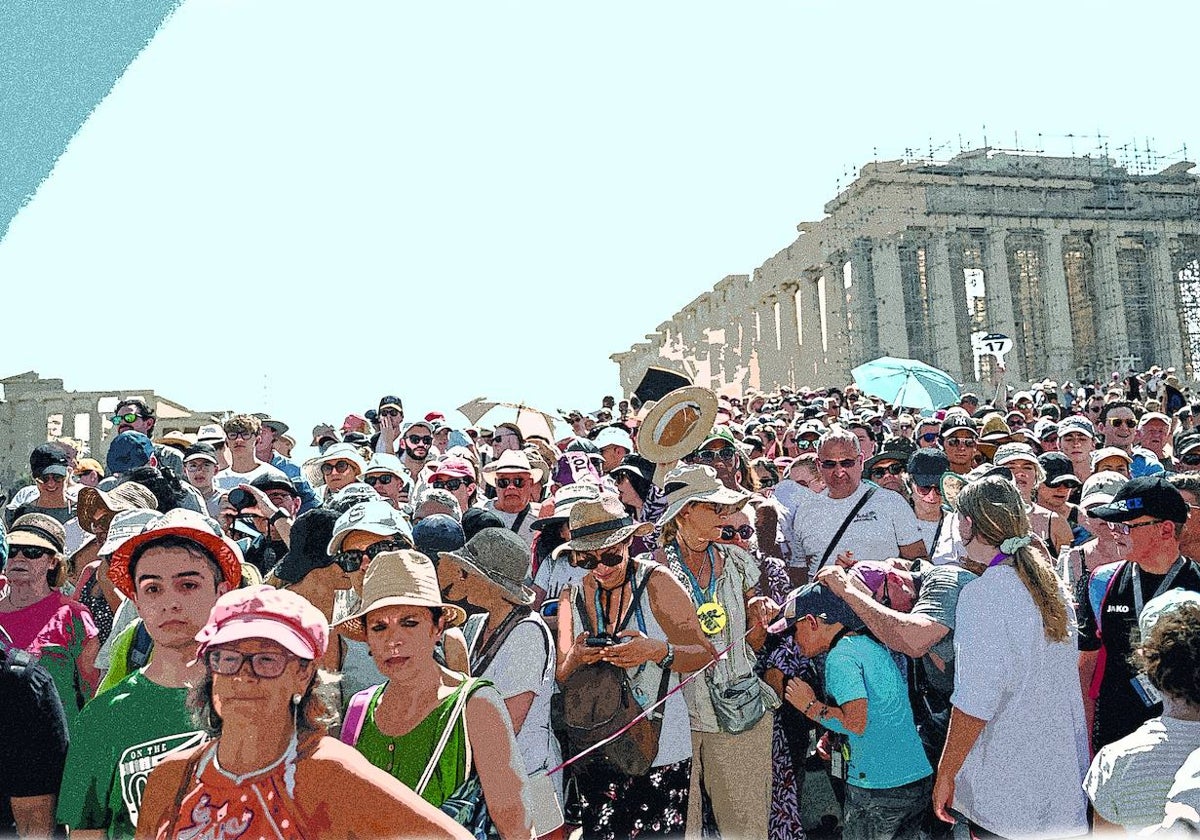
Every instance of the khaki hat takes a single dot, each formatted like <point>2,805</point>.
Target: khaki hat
<point>399,578</point>
<point>599,523</point>
<point>176,438</point>
<point>500,556</point>
<point>677,425</point>
<point>511,461</point>
<point>696,483</point>
<point>42,531</point>
<point>94,503</point>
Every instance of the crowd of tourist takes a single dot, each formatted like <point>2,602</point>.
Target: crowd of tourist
<point>804,613</point>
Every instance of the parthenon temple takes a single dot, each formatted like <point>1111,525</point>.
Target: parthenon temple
<point>1087,267</point>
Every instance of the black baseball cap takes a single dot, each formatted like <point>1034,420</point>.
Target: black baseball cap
<point>274,482</point>
<point>48,460</point>
<point>957,422</point>
<point>926,466</point>
<point>1149,495</point>
<point>392,401</point>
<point>1059,470</point>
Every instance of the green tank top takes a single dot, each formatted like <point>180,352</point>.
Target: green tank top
<point>406,756</point>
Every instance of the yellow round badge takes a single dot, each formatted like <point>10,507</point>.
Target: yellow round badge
<point>712,618</point>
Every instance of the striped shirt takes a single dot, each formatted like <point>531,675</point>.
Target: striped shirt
<point>1129,779</point>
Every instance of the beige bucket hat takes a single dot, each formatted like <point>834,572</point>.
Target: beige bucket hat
<point>399,578</point>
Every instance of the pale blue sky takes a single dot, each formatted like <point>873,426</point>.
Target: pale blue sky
<point>286,205</point>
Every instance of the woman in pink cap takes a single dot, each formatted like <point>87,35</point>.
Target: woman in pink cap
<point>270,770</point>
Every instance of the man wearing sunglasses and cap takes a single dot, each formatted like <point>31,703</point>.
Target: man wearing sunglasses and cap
<point>1147,516</point>
<point>134,415</point>
<point>173,571</point>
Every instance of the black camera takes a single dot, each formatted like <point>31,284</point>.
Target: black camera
<point>603,640</point>
<point>241,499</point>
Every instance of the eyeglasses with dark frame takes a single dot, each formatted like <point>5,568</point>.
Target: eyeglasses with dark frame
<point>241,434</point>
<point>417,440</point>
<point>517,482</point>
<point>453,484</point>
<point>118,419</point>
<point>844,463</point>
<point>892,469</point>
<point>336,466</point>
<point>383,479</point>
<point>266,665</point>
<point>30,552</point>
<point>707,456</point>
<point>929,437</point>
<point>959,443</point>
<point>1124,528</point>
<point>389,412</point>
<point>1117,422</point>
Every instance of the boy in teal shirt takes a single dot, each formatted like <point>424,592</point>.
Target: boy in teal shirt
<point>889,781</point>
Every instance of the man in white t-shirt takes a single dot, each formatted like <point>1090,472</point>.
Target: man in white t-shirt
<point>884,526</point>
<point>241,434</point>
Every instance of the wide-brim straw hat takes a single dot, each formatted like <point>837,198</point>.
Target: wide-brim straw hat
<point>511,461</point>
<point>696,483</point>
<point>600,523</point>
<point>127,496</point>
<point>399,578</point>
<point>677,425</point>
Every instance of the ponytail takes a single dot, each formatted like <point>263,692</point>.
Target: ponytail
<point>1044,588</point>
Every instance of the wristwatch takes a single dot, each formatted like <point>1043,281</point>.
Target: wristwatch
<point>667,660</point>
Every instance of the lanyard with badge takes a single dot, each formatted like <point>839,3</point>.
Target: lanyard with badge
<point>1145,689</point>
<point>709,610</point>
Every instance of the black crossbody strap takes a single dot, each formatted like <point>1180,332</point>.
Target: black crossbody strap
<point>845,524</point>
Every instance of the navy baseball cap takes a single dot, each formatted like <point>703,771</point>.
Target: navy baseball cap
<point>926,466</point>
<point>128,451</point>
<point>48,460</point>
<point>814,599</point>
<point>1150,495</point>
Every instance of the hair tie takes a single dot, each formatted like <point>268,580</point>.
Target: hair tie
<point>1014,544</point>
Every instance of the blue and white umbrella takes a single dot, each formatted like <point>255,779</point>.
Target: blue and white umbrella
<point>907,383</point>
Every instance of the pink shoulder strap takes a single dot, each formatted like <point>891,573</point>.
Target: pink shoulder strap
<point>356,713</point>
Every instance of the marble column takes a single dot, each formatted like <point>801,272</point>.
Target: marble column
<point>1060,341</point>
<point>1168,341</point>
<point>998,290</point>
<point>889,298</point>
<point>946,348</point>
<point>812,353</point>
<point>862,317</point>
<point>836,329</point>
<point>789,333</point>
<point>769,355</point>
<point>1112,332</point>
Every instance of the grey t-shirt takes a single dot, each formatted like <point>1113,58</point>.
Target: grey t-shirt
<point>938,601</point>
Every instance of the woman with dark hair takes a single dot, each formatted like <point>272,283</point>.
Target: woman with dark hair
<point>636,490</point>
<point>39,619</point>
<point>1016,749</point>
<point>439,733</point>
<point>270,769</point>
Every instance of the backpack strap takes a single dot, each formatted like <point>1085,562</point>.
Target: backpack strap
<point>139,649</point>
<point>356,715</point>
<point>458,712</point>
<point>866,497</point>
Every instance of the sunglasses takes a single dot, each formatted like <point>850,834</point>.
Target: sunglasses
<point>1190,460</point>
<point>29,552</point>
<point>590,560</point>
<point>929,437</point>
<point>728,532</point>
<point>805,443</point>
<point>390,412</point>
<point>118,419</point>
<point>960,443</point>
<point>924,489</point>
<point>264,665</point>
<point>417,440</point>
<point>240,435</point>
<point>50,479</point>
<point>383,480</point>
<point>707,456</point>
<point>1129,423</point>
<point>336,466</point>
<point>453,484</point>
<point>351,559</point>
<point>845,463</point>
<point>1124,528</point>
<point>511,482</point>
<point>880,472</point>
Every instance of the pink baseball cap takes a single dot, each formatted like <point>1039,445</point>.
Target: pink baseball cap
<point>454,468</point>
<point>353,422</point>
<point>263,612</point>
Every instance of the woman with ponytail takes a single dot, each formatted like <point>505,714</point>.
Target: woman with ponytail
<point>1017,749</point>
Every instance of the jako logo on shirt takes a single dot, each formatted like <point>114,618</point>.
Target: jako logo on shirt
<point>1117,608</point>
